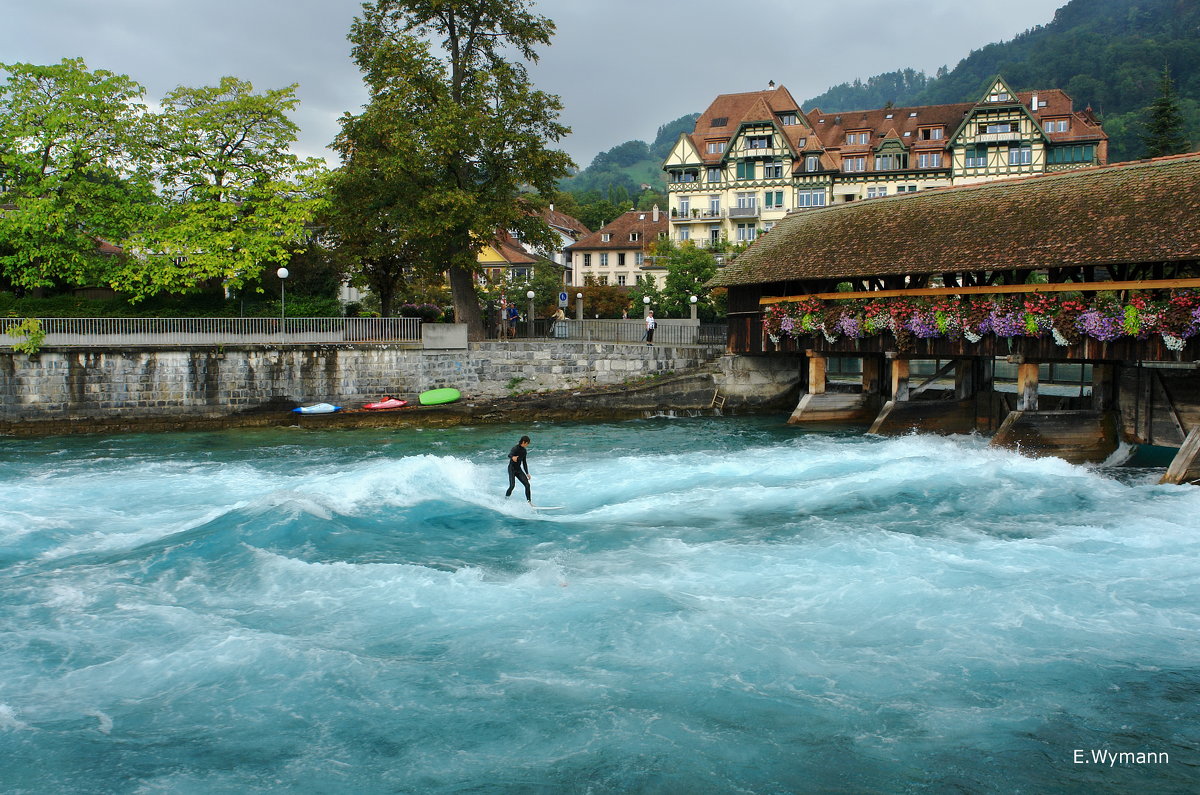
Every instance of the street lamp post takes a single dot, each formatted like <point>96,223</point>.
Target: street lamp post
<point>693,301</point>
<point>645,306</point>
<point>530,296</point>
<point>579,306</point>
<point>282,273</point>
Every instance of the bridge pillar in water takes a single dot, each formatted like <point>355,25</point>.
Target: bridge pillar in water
<point>819,405</point>
<point>903,413</point>
<point>1185,467</point>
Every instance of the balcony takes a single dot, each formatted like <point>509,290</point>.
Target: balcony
<point>743,212</point>
<point>997,137</point>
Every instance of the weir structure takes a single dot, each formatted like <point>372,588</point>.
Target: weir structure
<point>924,299</point>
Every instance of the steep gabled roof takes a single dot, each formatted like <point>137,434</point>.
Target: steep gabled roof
<point>728,112</point>
<point>1145,211</point>
<point>618,230</point>
<point>570,226</point>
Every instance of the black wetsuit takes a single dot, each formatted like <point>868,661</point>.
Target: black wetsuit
<point>515,473</point>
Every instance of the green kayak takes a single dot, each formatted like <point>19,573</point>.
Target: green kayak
<point>436,397</point>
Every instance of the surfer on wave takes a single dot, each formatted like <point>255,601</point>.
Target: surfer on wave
<point>517,461</point>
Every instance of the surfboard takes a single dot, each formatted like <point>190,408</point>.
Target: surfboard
<point>436,397</point>
<point>546,507</point>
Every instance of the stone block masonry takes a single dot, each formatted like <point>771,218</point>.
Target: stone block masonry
<point>147,383</point>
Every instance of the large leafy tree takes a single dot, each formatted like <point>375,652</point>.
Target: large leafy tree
<point>454,130</point>
<point>74,169</point>
<point>1164,128</point>
<point>234,199</point>
<point>689,268</point>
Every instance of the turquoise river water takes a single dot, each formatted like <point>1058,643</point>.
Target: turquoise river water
<point>721,605</point>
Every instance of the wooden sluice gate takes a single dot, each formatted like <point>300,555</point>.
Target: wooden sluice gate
<point>1139,403</point>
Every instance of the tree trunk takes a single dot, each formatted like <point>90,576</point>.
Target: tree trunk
<point>466,302</point>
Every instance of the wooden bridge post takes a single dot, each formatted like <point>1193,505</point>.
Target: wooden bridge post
<point>1104,393</point>
<point>816,373</point>
<point>966,378</point>
<point>1027,386</point>
<point>872,375</point>
<point>900,369</point>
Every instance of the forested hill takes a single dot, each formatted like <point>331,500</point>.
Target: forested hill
<point>1108,54</point>
<point>619,173</point>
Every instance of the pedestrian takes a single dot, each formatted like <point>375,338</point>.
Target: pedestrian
<point>517,461</point>
<point>650,324</point>
<point>513,314</point>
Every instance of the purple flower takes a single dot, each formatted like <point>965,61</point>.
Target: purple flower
<point>787,324</point>
<point>848,326</point>
<point>1100,326</point>
<point>923,325</point>
<point>1007,324</point>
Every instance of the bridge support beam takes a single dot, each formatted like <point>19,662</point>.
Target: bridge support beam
<point>902,413</point>
<point>818,405</point>
<point>1185,467</point>
<point>1080,437</point>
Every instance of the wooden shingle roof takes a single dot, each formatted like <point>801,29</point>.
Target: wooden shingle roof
<point>1144,211</point>
<point>618,231</point>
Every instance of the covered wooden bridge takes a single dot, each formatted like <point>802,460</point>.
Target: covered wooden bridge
<point>1098,267</point>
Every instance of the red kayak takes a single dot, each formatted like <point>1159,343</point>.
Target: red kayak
<point>392,403</point>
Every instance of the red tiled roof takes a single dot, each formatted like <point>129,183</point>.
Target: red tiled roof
<point>736,109</point>
<point>640,221</point>
<point>1144,211</point>
<point>512,251</point>
<point>560,220</point>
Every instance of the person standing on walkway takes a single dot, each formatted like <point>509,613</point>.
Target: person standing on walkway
<point>517,461</point>
<point>650,324</point>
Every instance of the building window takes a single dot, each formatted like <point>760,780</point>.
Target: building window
<point>747,200</point>
<point>714,233</point>
<point>998,127</point>
<point>773,199</point>
<point>891,162</point>
<point>604,279</point>
<point>812,163</point>
<point>685,233</point>
<point>1071,154</point>
<point>716,147</point>
<point>714,174</point>
<point>758,142</point>
<point>1020,156</point>
<point>746,232</point>
<point>929,160</point>
<point>773,169</point>
<point>720,121</point>
<point>746,169</point>
<point>604,260</point>
<point>875,193</point>
<point>810,198</point>
<point>1058,125</point>
<point>621,280</point>
<point>975,157</point>
<point>587,260</point>
<point>605,237</point>
<point>858,138</point>
<point>1000,96</point>
<point>621,259</point>
<point>768,226</point>
<point>634,236</point>
<point>906,189</point>
<point>932,133</point>
<point>787,119</point>
<point>685,205</point>
<point>639,258</point>
<point>854,164</point>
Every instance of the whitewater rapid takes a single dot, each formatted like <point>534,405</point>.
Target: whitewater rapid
<point>721,604</point>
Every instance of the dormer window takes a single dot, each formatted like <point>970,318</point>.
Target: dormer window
<point>859,137</point>
<point>633,236</point>
<point>1058,125</point>
<point>716,147</point>
<point>605,237</point>
<point>932,133</point>
<point>758,142</point>
<point>1000,96</point>
<point>787,119</point>
<point>811,163</point>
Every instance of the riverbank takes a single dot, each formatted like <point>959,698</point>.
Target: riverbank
<point>729,384</point>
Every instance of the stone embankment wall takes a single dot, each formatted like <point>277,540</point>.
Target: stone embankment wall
<point>60,391</point>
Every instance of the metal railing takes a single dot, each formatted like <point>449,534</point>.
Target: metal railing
<point>170,331</point>
<point>667,332</point>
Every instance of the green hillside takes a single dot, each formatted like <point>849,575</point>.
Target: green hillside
<point>1108,54</point>
<point>622,170</point>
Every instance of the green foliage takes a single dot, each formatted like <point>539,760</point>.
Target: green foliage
<point>601,300</point>
<point>74,167</point>
<point>1164,129</point>
<point>452,134</point>
<point>31,329</point>
<point>1107,54</point>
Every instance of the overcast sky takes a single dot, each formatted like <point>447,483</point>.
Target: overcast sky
<point>622,67</point>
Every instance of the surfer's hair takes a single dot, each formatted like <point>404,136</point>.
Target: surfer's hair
<point>523,440</point>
